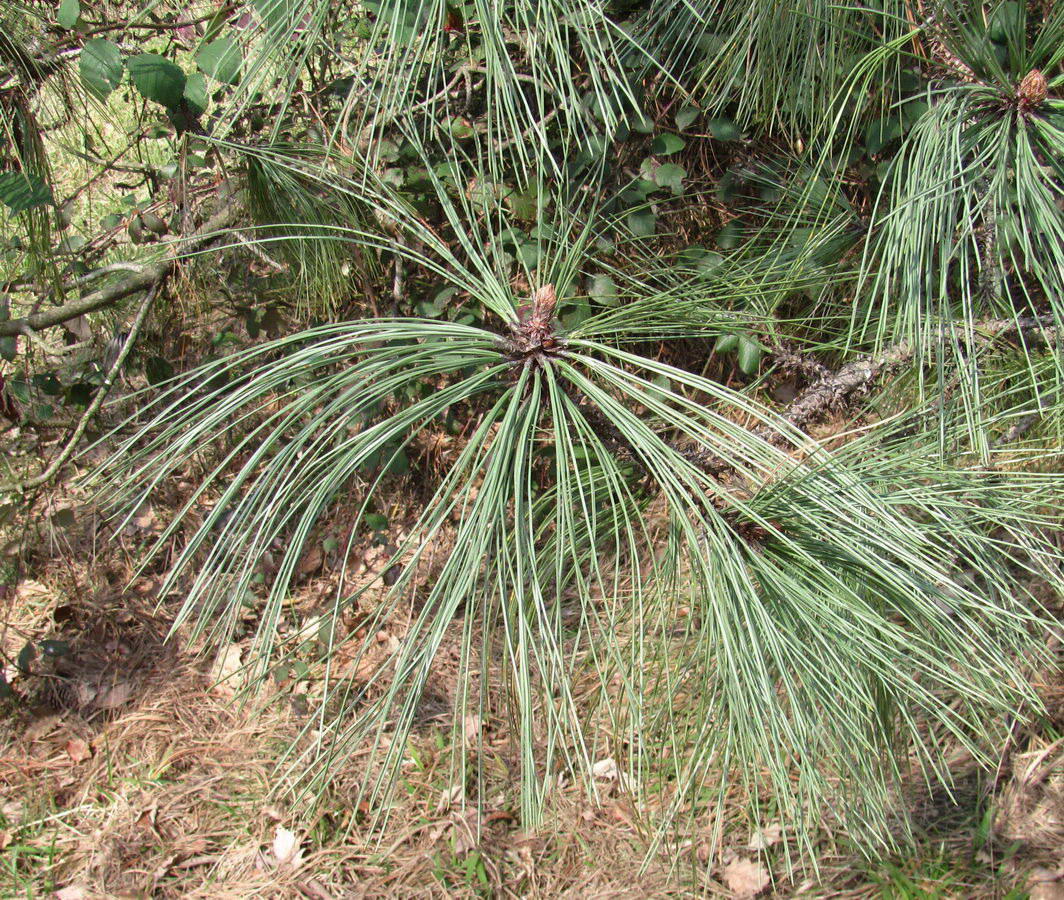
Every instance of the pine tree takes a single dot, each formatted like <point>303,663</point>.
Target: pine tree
<point>744,323</point>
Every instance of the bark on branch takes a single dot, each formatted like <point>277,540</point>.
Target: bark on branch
<point>833,389</point>
<point>149,276</point>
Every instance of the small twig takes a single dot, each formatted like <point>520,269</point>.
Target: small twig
<point>791,360</point>
<point>93,407</point>
<point>259,252</point>
<point>833,389</point>
<point>148,276</point>
<point>1025,423</point>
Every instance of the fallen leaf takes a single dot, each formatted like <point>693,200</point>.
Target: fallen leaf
<point>608,769</point>
<point>115,695</point>
<point>78,750</point>
<point>1044,884</point>
<point>745,878</point>
<point>465,832</point>
<point>471,725</point>
<point>227,664</point>
<point>36,730</point>
<point>765,837</point>
<point>84,692</point>
<point>286,849</point>
<point>144,517</point>
<point>310,562</point>
<point>314,889</point>
<point>72,892</point>
<point>450,797</point>
<point>163,868</point>
<point>605,768</point>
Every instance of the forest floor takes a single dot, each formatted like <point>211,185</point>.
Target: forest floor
<point>127,770</point>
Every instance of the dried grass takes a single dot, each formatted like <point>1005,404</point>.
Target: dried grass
<point>129,773</point>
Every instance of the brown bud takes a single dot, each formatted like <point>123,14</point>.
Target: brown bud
<point>1032,90</point>
<point>543,301</point>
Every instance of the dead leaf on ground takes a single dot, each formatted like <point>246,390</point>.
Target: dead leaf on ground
<point>450,797</point>
<point>471,726</point>
<point>314,889</point>
<point>286,849</point>
<point>466,829</point>
<point>745,878</point>
<point>1045,884</point>
<point>765,837</point>
<point>310,562</point>
<point>84,692</point>
<point>605,768</point>
<point>114,695</point>
<point>228,662</point>
<point>36,730</point>
<point>144,517</point>
<point>78,750</point>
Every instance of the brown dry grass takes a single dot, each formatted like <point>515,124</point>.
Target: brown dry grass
<point>127,772</point>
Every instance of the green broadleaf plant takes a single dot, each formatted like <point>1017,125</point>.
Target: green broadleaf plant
<point>157,78</point>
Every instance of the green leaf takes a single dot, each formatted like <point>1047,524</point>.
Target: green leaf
<point>724,129</point>
<point>1007,19</point>
<point>528,254</point>
<point>274,13</point>
<point>643,124</point>
<point>913,111</point>
<point>729,236</point>
<point>101,67</point>
<point>460,128</point>
<point>20,192</point>
<point>705,261</point>
<point>666,144</point>
<point>574,312</point>
<point>196,93</point>
<point>48,384</point>
<point>55,648</point>
<point>157,79</point>
<point>881,133</point>
<point>671,176</point>
<point>726,343</point>
<point>8,347</point>
<point>524,205</point>
<point>642,222</point>
<point>376,521</point>
<point>158,370</point>
<point>749,355</point>
<point>69,13</point>
<point>686,117</point>
<point>221,59</point>
<point>604,290</point>
<point>730,186</point>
